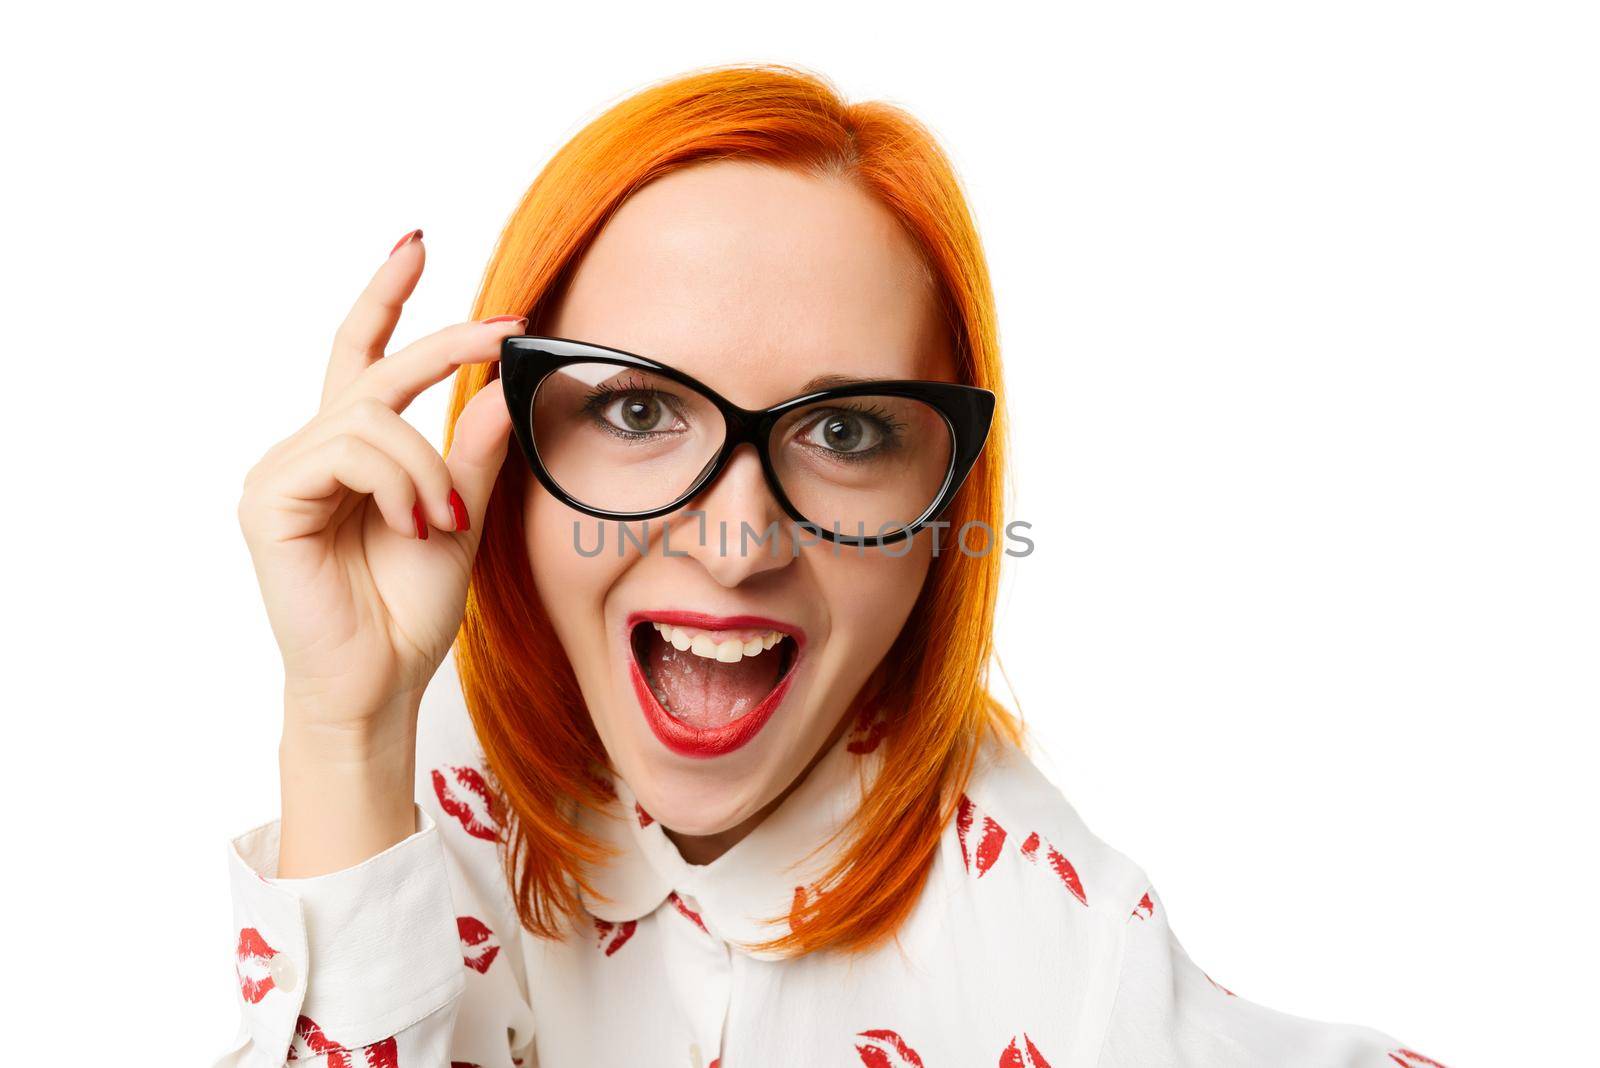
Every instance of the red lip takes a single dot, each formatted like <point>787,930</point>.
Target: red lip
<point>1409,1058</point>
<point>309,1038</point>
<point>1058,864</point>
<point>881,1042</point>
<point>479,946</point>
<point>611,937</point>
<point>464,794</point>
<point>1025,1056</point>
<point>689,913</point>
<point>253,953</point>
<point>978,855</point>
<point>701,621</point>
<point>708,742</point>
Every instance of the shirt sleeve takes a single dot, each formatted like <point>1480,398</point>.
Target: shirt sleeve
<point>1168,1012</point>
<point>382,964</point>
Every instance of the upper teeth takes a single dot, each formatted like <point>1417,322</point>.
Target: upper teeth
<point>729,650</point>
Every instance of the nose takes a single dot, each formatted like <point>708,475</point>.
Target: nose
<point>742,532</point>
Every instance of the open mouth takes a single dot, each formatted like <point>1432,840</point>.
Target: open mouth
<point>708,684</point>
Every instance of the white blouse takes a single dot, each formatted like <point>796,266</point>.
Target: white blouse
<point>1034,945</point>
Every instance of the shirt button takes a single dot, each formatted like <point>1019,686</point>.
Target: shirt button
<point>283,972</point>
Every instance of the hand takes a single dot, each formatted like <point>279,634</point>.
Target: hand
<point>362,535</point>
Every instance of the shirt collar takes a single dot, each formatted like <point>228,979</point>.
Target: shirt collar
<point>762,877</point>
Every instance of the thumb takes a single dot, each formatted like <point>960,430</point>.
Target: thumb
<point>477,450</point>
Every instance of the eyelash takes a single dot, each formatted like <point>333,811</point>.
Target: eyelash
<point>887,427</point>
<point>596,400</point>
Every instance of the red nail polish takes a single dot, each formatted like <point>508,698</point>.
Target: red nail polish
<point>415,235</point>
<point>422,524</point>
<point>458,509</point>
<point>505,319</point>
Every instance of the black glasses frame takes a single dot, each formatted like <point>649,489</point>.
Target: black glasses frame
<point>527,360</point>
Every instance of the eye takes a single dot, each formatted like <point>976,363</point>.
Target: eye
<point>638,412</point>
<point>844,432</point>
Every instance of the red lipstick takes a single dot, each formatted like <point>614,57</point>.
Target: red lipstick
<point>699,742</point>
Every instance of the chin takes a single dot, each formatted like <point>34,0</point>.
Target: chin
<point>703,814</point>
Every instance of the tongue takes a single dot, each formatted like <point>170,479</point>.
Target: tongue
<point>707,693</point>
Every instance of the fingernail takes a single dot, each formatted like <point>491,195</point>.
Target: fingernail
<point>422,524</point>
<point>505,319</point>
<point>415,235</point>
<point>458,508</point>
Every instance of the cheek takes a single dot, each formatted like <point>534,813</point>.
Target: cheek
<point>572,587</point>
<point>869,596</point>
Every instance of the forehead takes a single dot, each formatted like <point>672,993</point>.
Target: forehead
<point>755,280</point>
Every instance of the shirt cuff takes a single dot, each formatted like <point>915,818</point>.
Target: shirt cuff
<point>349,958</point>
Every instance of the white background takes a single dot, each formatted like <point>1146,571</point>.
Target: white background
<point>1298,304</point>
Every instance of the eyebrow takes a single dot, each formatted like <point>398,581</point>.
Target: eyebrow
<point>829,381</point>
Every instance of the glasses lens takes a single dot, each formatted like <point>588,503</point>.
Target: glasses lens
<point>621,439</point>
<point>865,465</point>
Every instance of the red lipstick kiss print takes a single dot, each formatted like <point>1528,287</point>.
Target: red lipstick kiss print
<point>1058,864</point>
<point>612,936</point>
<point>1413,1059</point>
<point>309,1040</point>
<point>677,903</point>
<point>1144,909</point>
<point>1026,1057</point>
<point>253,953</point>
<point>869,728</point>
<point>479,946</point>
<point>385,1054</point>
<point>464,794</point>
<point>885,1049</point>
<point>987,849</point>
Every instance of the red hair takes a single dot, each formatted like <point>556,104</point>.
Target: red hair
<point>931,692</point>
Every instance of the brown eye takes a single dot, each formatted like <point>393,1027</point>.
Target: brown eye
<point>637,413</point>
<point>843,432</point>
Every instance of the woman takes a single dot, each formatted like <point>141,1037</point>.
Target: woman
<point>720,785</point>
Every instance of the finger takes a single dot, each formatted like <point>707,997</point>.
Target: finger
<point>399,377</point>
<point>316,480</point>
<point>366,330</point>
<point>379,425</point>
<point>478,448</point>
